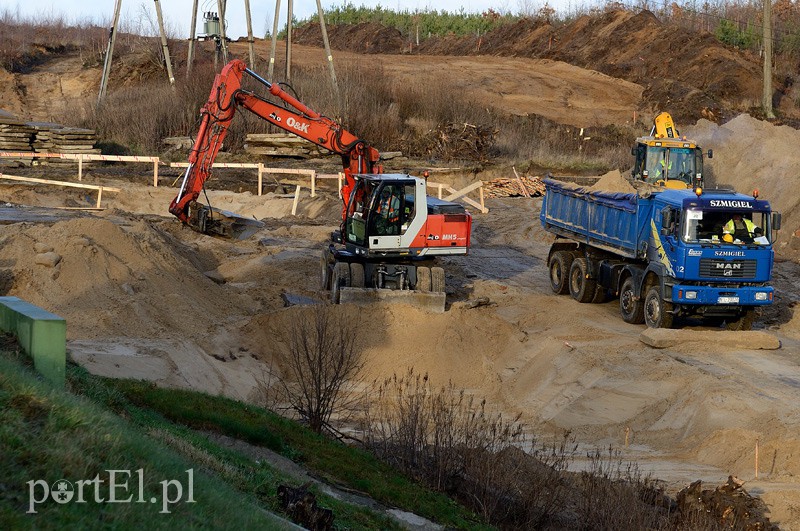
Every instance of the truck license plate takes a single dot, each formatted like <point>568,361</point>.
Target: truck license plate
<point>728,300</point>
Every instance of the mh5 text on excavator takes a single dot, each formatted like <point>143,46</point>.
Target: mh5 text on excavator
<point>391,230</point>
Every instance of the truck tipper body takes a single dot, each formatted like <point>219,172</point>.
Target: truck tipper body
<point>667,254</point>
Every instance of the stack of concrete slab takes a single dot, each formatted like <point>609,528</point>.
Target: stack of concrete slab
<point>18,136</point>
<point>71,140</point>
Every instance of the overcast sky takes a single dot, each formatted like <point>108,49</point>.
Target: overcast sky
<point>141,14</point>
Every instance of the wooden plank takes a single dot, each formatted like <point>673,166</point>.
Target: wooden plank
<point>464,191</point>
<point>58,183</point>
<point>521,184</point>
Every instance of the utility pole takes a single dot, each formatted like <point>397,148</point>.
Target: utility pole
<point>328,55</point>
<point>192,39</point>
<point>112,36</point>
<point>164,44</point>
<point>766,101</point>
<point>274,40</point>
<point>250,35</point>
<point>289,43</point>
<point>223,39</point>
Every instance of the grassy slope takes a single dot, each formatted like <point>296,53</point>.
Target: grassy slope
<point>124,425</point>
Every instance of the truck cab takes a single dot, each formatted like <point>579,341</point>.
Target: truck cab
<point>710,269</point>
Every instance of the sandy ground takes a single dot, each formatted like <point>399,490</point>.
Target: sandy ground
<point>147,298</point>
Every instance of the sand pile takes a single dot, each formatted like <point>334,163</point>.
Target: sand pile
<point>751,154</point>
<point>131,281</point>
<point>613,181</point>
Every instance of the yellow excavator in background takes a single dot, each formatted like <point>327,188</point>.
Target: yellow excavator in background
<point>665,158</point>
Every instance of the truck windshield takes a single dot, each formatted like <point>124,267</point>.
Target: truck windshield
<point>726,227</point>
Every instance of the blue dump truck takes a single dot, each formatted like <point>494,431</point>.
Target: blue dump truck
<point>668,254</point>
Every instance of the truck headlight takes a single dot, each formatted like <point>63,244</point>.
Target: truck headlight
<point>691,295</point>
<point>761,295</point>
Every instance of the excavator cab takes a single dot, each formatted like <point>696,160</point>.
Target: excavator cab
<point>378,207</point>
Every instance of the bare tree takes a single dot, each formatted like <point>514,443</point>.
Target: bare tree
<point>320,361</point>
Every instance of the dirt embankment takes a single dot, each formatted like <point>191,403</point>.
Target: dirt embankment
<point>688,72</point>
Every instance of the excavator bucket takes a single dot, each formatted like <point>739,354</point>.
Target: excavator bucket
<point>431,302</point>
<point>211,220</point>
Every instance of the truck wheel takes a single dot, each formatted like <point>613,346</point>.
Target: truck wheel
<point>357,275</point>
<point>657,312</point>
<point>630,304</point>
<point>340,279</point>
<point>745,322</point>
<point>437,280</point>
<point>581,288</point>
<point>326,270</point>
<point>560,262</point>
<point>423,279</point>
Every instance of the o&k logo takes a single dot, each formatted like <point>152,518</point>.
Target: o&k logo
<point>112,490</point>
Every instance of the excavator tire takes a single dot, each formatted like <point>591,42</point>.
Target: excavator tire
<point>326,270</point>
<point>423,279</point>
<point>437,280</point>
<point>340,279</point>
<point>357,275</point>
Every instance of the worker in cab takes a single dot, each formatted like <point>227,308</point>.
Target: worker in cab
<point>663,169</point>
<point>388,222</point>
<point>740,228</point>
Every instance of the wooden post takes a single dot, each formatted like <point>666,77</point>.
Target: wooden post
<point>756,458</point>
<point>260,177</point>
<point>440,191</point>
<point>296,200</point>
<point>627,435</point>
<point>483,206</point>
<point>340,185</point>
<point>155,172</point>
<point>80,167</point>
<point>99,196</point>
<point>313,183</point>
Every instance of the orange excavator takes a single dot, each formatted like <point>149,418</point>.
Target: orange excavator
<point>391,230</point>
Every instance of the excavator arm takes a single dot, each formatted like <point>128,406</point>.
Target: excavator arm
<point>294,117</point>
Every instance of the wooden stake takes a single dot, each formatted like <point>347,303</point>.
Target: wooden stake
<point>627,435</point>
<point>296,199</point>
<point>756,458</point>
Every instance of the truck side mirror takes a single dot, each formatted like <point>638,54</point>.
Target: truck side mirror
<point>710,154</point>
<point>633,151</point>
<point>776,221</point>
<point>666,221</point>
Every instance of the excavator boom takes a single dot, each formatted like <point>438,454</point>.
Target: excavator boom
<point>295,117</point>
